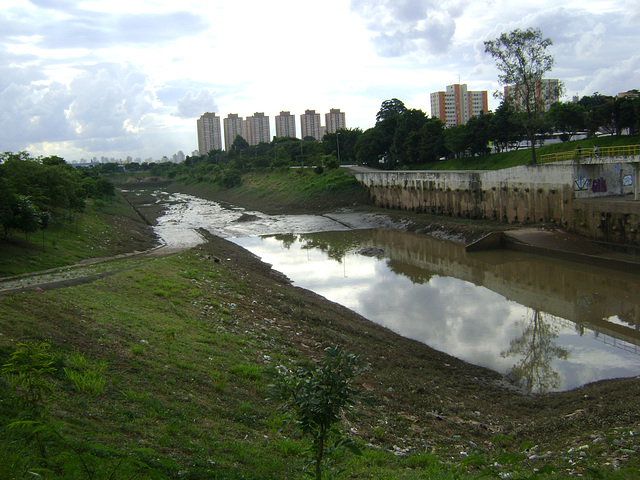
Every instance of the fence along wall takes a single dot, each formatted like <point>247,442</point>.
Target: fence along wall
<point>539,193</point>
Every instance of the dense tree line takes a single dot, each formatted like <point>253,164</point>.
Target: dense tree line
<point>36,191</point>
<point>404,137</point>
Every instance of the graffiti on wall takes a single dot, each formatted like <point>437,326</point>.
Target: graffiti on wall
<point>627,180</point>
<point>581,183</point>
<point>598,185</point>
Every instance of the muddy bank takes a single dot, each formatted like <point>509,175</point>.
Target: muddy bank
<point>460,230</point>
<point>423,398</point>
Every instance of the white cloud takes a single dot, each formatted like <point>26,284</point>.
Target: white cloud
<point>135,74</point>
<point>190,106</point>
<point>110,100</point>
<point>405,26</point>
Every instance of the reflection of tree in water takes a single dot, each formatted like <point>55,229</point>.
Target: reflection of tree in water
<point>417,275</point>
<point>537,350</point>
<point>287,239</point>
<point>336,246</point>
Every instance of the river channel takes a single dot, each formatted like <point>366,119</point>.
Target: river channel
<point>548,325</point>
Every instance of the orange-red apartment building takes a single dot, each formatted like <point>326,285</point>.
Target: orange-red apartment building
<point>457,105</point>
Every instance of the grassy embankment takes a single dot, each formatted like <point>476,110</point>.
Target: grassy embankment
<point>164,379</point>
<point>104,229</point>
<point>523,156</point>
<point>169,359</point>
<point>295,190</point>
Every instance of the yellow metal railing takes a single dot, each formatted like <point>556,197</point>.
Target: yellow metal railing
<point>589,152</point>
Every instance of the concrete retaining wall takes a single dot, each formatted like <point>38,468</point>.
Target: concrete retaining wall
<point>526,194</point>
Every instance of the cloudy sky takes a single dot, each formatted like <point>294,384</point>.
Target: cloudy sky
<point>130,77</point>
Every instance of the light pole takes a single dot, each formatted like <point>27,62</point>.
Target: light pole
<point>338,145</point>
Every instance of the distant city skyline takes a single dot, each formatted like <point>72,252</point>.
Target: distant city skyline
<point>257,128</point>
<point>83,79</point>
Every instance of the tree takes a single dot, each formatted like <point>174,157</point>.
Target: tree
<point>317,396</point>
<point>623,114</point>
<point>369,150</point>
<point>26,217</point>
<point>599,113</point>
<point>406,138</point>
<point>479,134</point>
<point>374,144</point>
<point>456,140</point>
<point>390,108</point>
<point>504,130</point>
<point>522,58</point>
<point>345,139</point>
<point>432,140</point>
<point>567,118</point>
<point>239,144</point>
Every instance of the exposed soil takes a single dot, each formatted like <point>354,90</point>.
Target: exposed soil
<point>423,398</point>
<point>426,398</point>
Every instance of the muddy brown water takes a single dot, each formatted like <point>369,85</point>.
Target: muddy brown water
<point>548,325</point>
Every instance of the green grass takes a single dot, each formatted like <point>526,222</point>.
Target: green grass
<point>168,362</point>
<point>288,188</point>
<point>523,156</point>
<point>197,411</point>
<point>72,237</point>
<point>149,394</point>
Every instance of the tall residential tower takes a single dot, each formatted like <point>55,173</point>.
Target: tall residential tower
<point>232,128</point>
<point>457,105</point>
<point>334,120</point>
<point>310,125</point>
<point>257,129</point>
<point>209,133</point>
<point>285,125</point>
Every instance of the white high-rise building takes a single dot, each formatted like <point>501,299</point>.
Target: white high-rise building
<point>257,129</point>
<point>285,125</point>
<point>334,120</point>
<point>233,126</point>
<point>209,134</point>
<point>310,125</point>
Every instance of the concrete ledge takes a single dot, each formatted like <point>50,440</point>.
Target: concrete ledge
<point>511,242</point>
<point>492,241</point>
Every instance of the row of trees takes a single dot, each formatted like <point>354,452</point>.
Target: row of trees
<point>405,137</point>
<point>37,191</point>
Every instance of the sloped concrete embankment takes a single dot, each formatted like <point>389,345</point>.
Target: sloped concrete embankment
<point>594,200</point>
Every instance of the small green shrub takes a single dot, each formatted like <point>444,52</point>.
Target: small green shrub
<point>134,396</point>
<point>26,373</point>
<point>316,396</point>
<point>246,370</point>
<point>90,382</point>
<point>87,378</point>
<point>137,350</point>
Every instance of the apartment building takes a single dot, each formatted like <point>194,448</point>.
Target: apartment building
<point>257,129</point>
<point>334,120</point>
<point>285,125</point>
<point>310,125</point>
<point>209,133</point>
<point>547,93</point>
<point>456,105</point>
<point>233,126</point>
